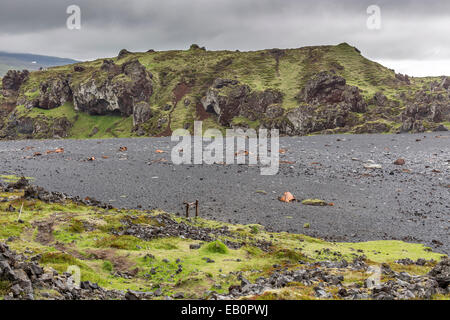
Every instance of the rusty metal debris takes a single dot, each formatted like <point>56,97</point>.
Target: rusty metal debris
<point>189,205</point>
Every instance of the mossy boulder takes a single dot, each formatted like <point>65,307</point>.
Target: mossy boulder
<point>315,202</point>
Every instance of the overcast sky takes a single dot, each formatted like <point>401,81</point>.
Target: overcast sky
<point>413,39</point>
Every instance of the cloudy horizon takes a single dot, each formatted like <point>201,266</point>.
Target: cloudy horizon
<point>413,38</point>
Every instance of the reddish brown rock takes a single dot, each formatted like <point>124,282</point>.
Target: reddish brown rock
<point>400,162</point>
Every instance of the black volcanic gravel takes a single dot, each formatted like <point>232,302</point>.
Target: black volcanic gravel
<point>369,204</point>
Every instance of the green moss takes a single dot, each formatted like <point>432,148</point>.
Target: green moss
<point>106,127</point>
<point>120,242</point>
<point>58,258</point>
<point>216,247</point>
<point>4,287</point>
<point>107,266</point>
<point>8,178</point>
<point>314,202</point>
<point>76,226</point>
<point>246,123</point>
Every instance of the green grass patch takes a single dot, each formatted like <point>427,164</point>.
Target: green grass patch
<point>314,202</point>
<point>120,242</point>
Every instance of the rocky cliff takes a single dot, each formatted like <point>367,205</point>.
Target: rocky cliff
<point>328,89</point>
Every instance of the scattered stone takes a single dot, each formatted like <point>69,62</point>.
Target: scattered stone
<point>178,295</point>
<point>372,166</point>
<point>441,273</point>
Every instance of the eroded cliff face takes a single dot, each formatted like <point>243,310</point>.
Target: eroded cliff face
<point>325,103</point>
<point>121,90</point>
<point>424,109</point>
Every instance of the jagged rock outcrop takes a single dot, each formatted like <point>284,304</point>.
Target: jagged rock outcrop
<point>229,99</point>
<point>326,88</point>
<point>425,108</point>
<point>119,92</point>
<point>52,94</point>
<point>123,53</point>
<point>379,99</point>
<point>307,119</point>
<point>327,102</point>
<point>14,79</point>
<point>403,78</point>
<point>142,113</point>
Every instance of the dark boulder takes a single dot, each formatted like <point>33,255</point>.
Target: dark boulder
<point>24,125</point>
<point>78,68</point>
<point>118,93</point>
<point>22,183</point>
<point>109,66</point>
<point>403,78</point>
<point>440,128</point>
<point>441,273</point>
<point>372,127</point>
<point>141,113</point>
<point>379,99</point>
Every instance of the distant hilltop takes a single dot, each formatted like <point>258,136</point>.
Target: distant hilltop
<point>21,61</point>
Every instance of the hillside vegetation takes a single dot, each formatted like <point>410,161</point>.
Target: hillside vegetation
<point>310,90</point>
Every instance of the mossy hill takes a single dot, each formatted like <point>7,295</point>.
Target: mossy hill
<point>311,90</point>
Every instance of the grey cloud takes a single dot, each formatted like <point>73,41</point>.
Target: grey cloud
<point>411,29</point>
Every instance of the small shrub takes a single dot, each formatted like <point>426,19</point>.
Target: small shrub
<point>254,229</point>
<point>107,266</point>
<point>76,226</point>
<point>290,255</point>
<point>216,247</point>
